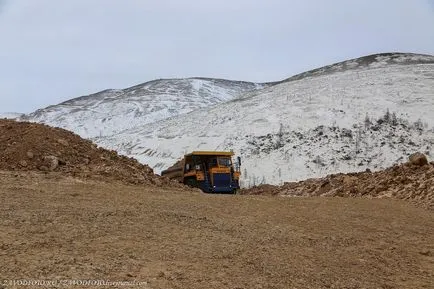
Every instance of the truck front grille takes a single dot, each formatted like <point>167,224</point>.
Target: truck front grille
<point>222,180</point>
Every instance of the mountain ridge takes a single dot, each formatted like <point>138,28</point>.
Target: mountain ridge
<point>105,112</point>
<point>364,61</point>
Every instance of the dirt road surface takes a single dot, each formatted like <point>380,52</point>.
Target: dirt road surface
<point>55,227</point>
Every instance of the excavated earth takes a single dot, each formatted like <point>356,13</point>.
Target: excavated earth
<point>413,182</point>
<point>29,146</point>
<point>76,216</point>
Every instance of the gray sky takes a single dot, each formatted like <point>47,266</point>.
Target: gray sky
<point>54,50</point>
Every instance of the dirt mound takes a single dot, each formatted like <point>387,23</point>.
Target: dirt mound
<point>29,146</point>
<point>413,181</point>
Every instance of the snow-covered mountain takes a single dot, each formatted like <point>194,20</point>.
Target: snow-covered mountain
<point>111,111</point>
<point>369,112</point>
<point>314,125</point>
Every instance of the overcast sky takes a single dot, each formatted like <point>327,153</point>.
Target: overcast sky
<point>54,50</point>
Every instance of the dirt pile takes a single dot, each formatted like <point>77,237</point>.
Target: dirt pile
<point>413,181</point>
<point>28,146</point>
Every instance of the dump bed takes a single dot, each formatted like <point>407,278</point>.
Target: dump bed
<point>175,171</point>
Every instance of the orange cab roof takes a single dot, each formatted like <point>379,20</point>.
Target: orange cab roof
<point>210,153</point>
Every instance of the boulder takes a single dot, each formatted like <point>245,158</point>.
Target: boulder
<point>418,159</point>
<point>52,162</point>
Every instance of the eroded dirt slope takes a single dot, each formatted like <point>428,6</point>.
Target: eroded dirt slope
<point>26,146</point>
<point>413,181</point>
<point>55,227</point>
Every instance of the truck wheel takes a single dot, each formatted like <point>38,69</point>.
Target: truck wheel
<point>191,182</point>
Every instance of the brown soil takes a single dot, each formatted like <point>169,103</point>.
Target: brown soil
<point>411,182</point>
<point>55,227</point>
<point>28,146</point>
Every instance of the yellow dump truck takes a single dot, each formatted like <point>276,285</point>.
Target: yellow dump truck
<point>211,171</point>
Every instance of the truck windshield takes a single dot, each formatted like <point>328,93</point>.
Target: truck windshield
<point>224,162</point>
<point>212,163</point>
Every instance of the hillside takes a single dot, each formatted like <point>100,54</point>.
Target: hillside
<point>111,111</point>
<point>370,116</point>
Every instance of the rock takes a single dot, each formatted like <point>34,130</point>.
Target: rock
<point>418,159</point>
<point>43,168</point>
<point>23,163</point>
<point>52,161</point>
<point>30,155</point>
<point>63,142</point>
